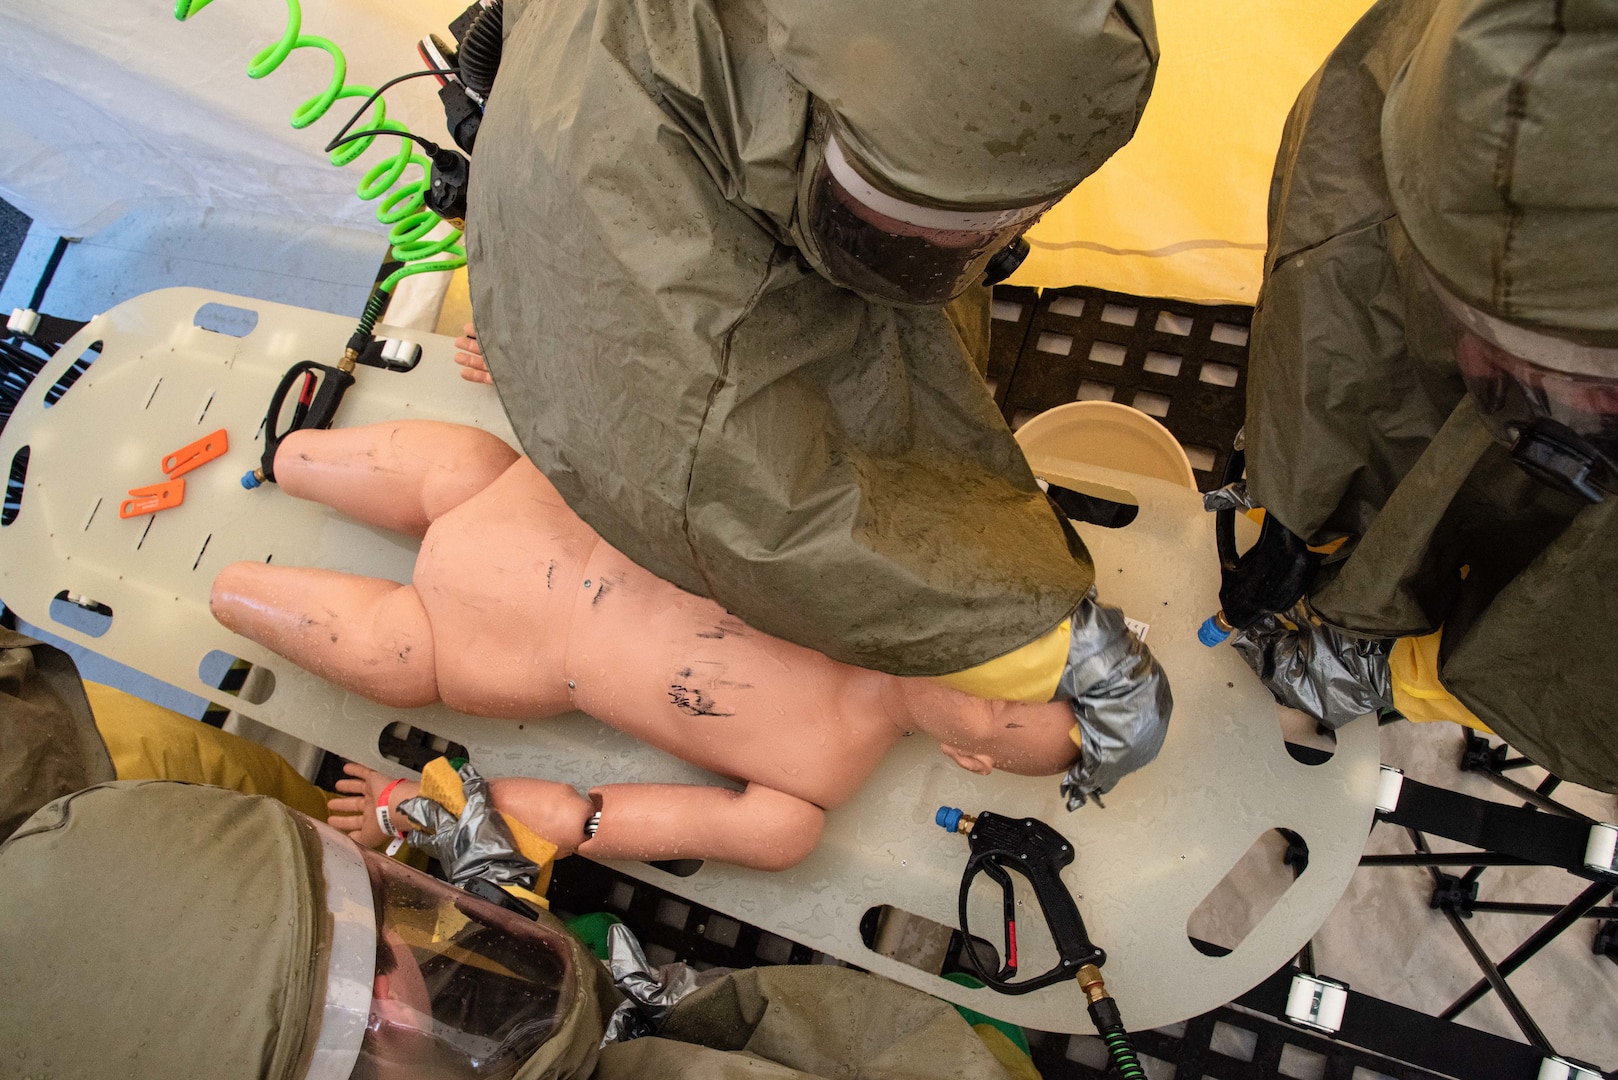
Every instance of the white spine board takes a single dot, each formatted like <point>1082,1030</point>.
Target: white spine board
<point>1167,836</point>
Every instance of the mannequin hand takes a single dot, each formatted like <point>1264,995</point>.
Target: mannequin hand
<point>470,357</point>
<point>355,814</point>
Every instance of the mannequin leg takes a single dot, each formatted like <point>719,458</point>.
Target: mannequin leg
<point>365,634</point>
<point>399,475</point>
<point>759,827</point>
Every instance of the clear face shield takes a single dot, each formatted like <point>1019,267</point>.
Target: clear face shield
<point>902,252</point>
<point>425,980</point>
<point>1554,402</point>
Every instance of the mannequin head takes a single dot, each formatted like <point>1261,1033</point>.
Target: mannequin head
<point>980,735</point>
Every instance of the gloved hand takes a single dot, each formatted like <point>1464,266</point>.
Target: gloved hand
<point>1120,697</point>
<point>1316,668</point>
<point>650,994</point>
<point>1307,664</point>
<point>474,845</point>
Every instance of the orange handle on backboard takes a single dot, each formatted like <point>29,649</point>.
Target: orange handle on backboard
<point>200,452</point>
<point>151,499</point>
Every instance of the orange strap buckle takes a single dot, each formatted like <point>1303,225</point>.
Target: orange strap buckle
<point>200,452</point>
<point>151,499</point>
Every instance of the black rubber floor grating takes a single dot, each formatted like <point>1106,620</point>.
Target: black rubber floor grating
<point>1184,364</point>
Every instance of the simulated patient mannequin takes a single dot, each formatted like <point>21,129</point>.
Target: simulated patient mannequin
<point>518,609</point>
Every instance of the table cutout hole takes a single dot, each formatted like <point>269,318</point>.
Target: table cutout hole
<point>81,613</point>
<point>64,383</point>
<point>773,948</point>
<point>1006,311</point>
<point>1249,890</point>
<point>16,484</point>
<point>1091,503</point>
<point>1071,306</point>
<point>1300,1064</point>
<point>1090,1051</point>
<point>1218,374</point>
<point>922,943</point>
<point>1092,390</point>
<point>1307,742</point>
<point>253,683</point>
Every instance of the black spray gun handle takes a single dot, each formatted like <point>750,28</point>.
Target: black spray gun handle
<point>1038,852</point>
<point>320,391</point>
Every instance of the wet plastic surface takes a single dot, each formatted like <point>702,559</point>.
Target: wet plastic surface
<point>1166,838</point>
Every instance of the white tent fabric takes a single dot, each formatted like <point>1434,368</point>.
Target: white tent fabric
<point>114,106</point>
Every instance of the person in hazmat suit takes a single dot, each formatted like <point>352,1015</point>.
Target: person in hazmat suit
<point>1435,376</point>
<point>164,929</point>
<point>726,264</point>
<point>59,733</point>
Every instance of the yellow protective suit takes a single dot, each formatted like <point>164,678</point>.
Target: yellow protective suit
<point>1417,691</point>
<point>149,742</point>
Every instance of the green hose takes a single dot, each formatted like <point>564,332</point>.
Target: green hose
<point>1109,1023</point>
<point>1123,1055</point>
<point>402,206</point>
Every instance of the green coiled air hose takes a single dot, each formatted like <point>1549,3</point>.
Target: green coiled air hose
<point>402,206</point>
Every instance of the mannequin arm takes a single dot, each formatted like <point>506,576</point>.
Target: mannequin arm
<point>759,827</point>
<point>554,811</point>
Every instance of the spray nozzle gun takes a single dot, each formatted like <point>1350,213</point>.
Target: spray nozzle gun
<point>320,389</point>
<point>1002,846</point>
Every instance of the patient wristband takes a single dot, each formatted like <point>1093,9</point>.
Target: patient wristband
<point>385,819</point>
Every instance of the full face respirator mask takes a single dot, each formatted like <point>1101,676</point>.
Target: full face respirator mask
<point>888,247</point>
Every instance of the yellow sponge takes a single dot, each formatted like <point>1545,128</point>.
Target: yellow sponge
<point>442,784</point>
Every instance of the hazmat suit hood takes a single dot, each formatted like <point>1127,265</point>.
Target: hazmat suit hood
<point>1499,136</point>
<point>830,469</point>
<point>160,929</point>
<point>940,106</point>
